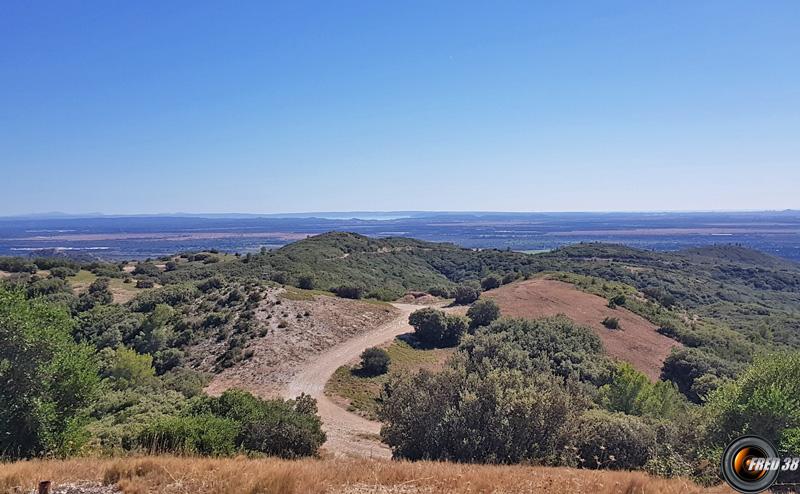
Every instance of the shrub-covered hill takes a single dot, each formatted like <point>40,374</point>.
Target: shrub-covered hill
<point>690,279</point>
<point>385,268</point>
<point>724,303</point>
<point>726,299</point>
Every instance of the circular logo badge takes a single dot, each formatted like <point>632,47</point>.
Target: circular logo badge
<point>750,464</point>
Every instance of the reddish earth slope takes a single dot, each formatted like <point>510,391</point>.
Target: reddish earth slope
<point>636,342</point>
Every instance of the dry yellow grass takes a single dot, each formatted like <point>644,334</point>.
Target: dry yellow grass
<point>265,476</point>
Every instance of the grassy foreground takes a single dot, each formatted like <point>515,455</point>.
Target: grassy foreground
<point>243,476</point>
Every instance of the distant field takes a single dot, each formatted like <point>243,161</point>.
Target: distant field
<point>121,291</point>
<point>774,232</point>
<point>315,476</point>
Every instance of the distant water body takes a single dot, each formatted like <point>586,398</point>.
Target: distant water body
<point>776,233</point>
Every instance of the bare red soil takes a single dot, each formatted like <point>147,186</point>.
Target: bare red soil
<point>637,342</point>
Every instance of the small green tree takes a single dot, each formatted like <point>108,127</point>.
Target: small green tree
<point>491,282</point>
<point>375,361</point>
<point>631,392</point>
<point>483,313</point>
<point>306,282</point>
<point>45,377</point>
<point>147,269</point>
<point>349,291</point>
<point>510,277</point>
<point>126,369</point>
<point>762,401</point>
<point>465,294</point>
<point>437,328</point>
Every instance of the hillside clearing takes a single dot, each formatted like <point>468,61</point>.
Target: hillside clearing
<point>312,324</point>
<point>637,342</point>
<point>360,393</point>
<point>251,476</point>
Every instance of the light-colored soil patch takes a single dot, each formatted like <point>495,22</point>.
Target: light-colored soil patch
<point>81,281</point>
<point>419,298</point>
<point>123,292</point>
<point>327,476</point>
<point>637,342</point>
<point>278,356</point>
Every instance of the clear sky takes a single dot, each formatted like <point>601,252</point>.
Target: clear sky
<point>165,106</point>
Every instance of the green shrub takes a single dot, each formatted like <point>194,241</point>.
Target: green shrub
<point>631,392</point>
<point>45,377</point>
<point>616,300</point>
<point>553,344</point>
<point>198,434</point>
<point>349,291</point>
<point>482,313</point>
<point>171,295</point>
<point>47,287</point>
<point>146,269</point>
<point>288,428</point>
<point>63,272</point>
<point>279,277</point>
<point>491,282</point>
<point>306,282</point>
<point>502,417</point>
<point>434,327</point>
<point>124,368</point>
<point>684,366</point>
<point>613,440</point>
<point>375,361</point>
<point>209,284</point>
<point>145,284</point>
<point>611,323</point>
<point>762,401</point>
<point>465,294</point>
<point>440,291</point>
<point>510,277</point>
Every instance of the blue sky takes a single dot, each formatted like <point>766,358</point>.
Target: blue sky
<point>147,107</point>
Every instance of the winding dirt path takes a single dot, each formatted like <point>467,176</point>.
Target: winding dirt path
<point>348,434</point>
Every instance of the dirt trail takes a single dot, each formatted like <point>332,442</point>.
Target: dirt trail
<point>348,434</point>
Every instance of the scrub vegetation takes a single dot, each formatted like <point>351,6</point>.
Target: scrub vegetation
<point>85,371</point>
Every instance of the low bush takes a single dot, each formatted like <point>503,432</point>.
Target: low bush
<point>306,282</point>
<point>199,434</point>
<point>613,440</point>
<point>375,361</point>
<point>465,294</point>
<point>287,428</point>
<point>611,323</point>
<point>349,291</point>
<point>482,313</point>
<point>436,328</point>
<point>502,417</point>
<point>491,282</point>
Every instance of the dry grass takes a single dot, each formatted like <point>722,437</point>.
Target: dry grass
<point>264,476</point>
